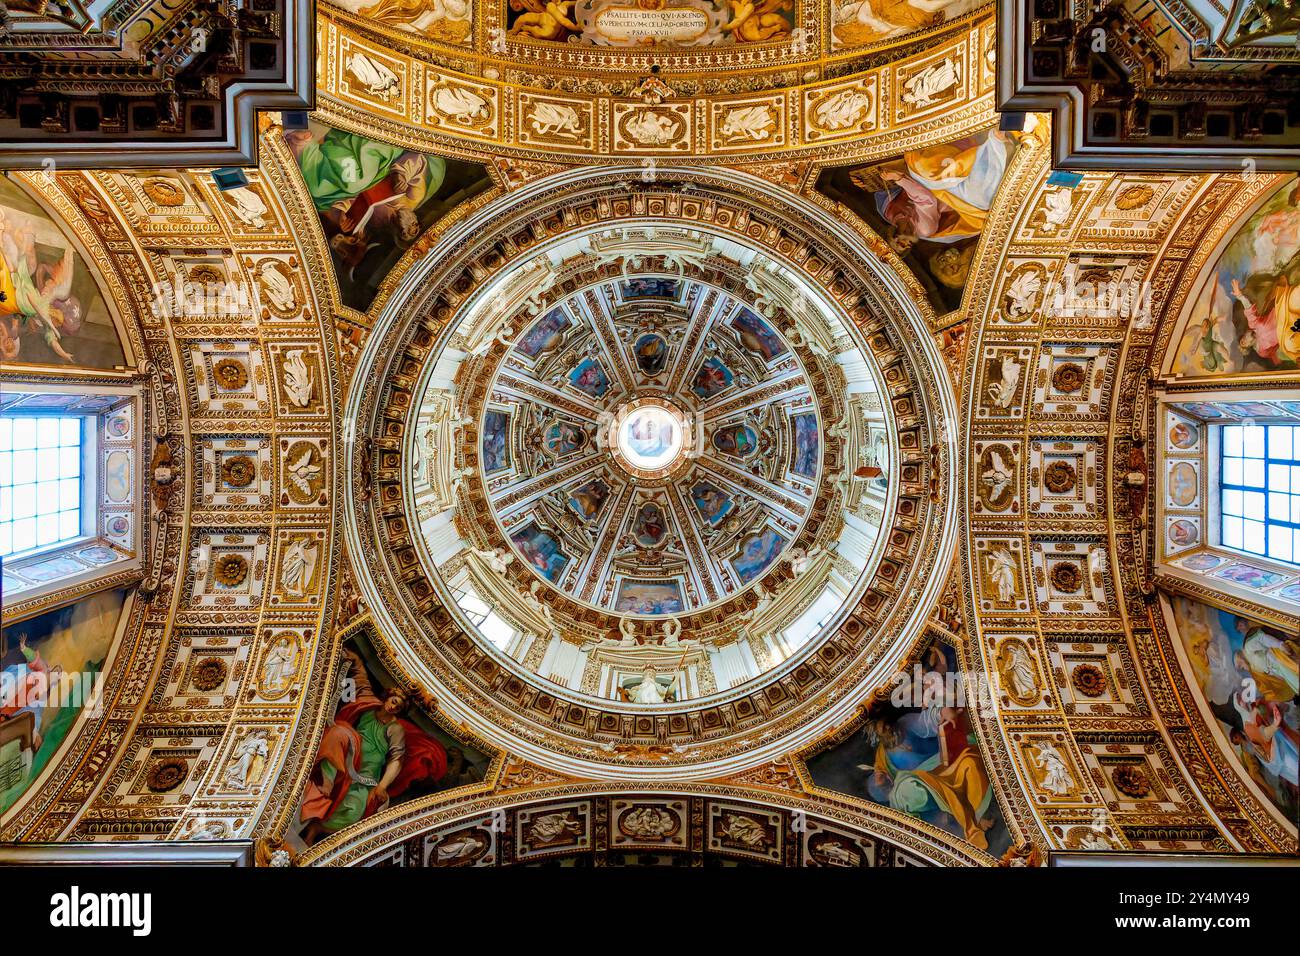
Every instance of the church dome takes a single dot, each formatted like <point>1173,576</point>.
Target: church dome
<point>652,474</point>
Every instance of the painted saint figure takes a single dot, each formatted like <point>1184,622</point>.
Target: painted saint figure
<point>368,755</point>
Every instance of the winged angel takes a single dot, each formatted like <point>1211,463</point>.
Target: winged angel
<point>1003,392</point>
<point>304,472</point>
<point>997,477</point>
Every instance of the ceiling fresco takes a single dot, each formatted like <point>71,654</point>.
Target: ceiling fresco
<point>51,309</point>
<point>749,547</point>
<point>735,456</point>
<point>680,433</point>
<point>801,29</point>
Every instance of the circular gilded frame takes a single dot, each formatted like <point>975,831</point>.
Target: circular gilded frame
<point>795,702</point>
<point>624,457</point>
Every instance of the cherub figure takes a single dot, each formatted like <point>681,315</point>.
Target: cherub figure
<point>544,19</point>
<point>754,22</point>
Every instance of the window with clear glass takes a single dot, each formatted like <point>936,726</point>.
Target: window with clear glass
<point>40,481</point>
<point>1260,490</point>
<point>488,622</point>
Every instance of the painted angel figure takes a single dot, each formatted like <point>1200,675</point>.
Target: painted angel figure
<point>34,293</point>
<point>432,17</point>
<point>889,18</point>
<point>754,22</point>
<point>551,20</point>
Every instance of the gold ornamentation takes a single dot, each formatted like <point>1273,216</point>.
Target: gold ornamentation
<point>1131,780</point>
<point>230,570</point>
<point>1060,477</point>
<point>304,477</point>
<point>1024,855</point>
<point>231,374</point>
<point>1068,378</point>
<point>166,775</point>
<point>1089,680</point>
<point>208,674</point>
<point>238,471</point>
<point>163,472</point>
<point>708,202</point>
<point>1134,197</point>
<point>274,852</point>
<point>163,191</point>
<point>1067,577</point>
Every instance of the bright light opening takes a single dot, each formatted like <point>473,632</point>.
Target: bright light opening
<point>651,437</point>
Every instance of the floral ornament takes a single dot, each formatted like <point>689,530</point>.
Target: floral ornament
<point>238,471</point>
<point>230,570</point>
<point>1067,577</point>
<point>230,374</point>
<point>1131,781</point>
<point>1060,477</point>
<point>1088,680</point>
<point>1068,378</point>
<point>166,775</point>
<point>208,674</point>
<point>206,275</point>
<point>165,192</point>
<point>1134,197</point>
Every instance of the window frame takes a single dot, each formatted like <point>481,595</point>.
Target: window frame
<point>1267,588</point>
<point>98,558</point>
<point>1266,490</point>
<point>88,505</point>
